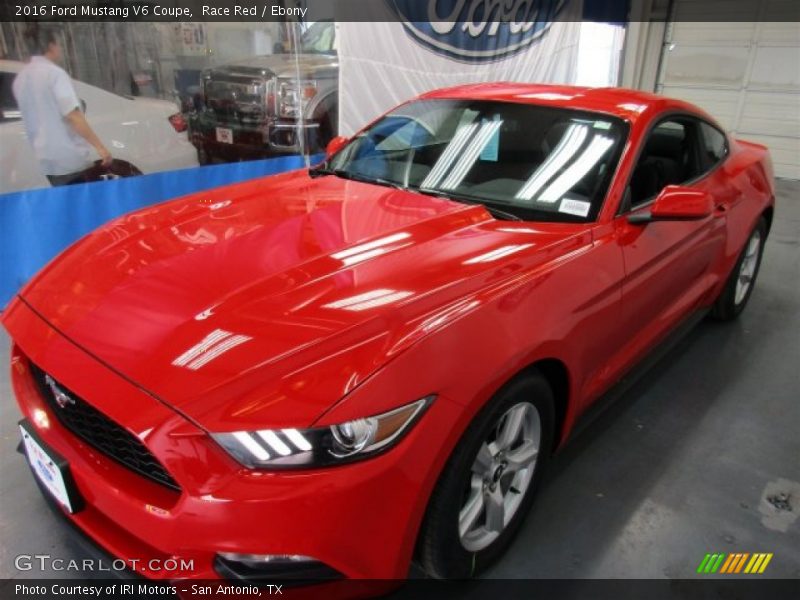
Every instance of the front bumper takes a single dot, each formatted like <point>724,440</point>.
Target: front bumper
<point>359,519</point>
<point>253,140</point>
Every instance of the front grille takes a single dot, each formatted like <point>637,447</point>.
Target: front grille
<point>242,101</point>
<point>97,430</point>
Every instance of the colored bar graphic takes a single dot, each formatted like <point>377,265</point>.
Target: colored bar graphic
<point>735,562</point>
<point>753,561</point>
<point>727,564</point>
<point>710,563</point>
<point>703,563</point>
<point>717,563</point>
<point>741,562</point>
<point>765,563</point>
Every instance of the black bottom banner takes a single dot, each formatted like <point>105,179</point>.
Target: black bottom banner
<point>493,589</point>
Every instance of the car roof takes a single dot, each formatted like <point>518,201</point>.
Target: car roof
<point>11,66</point>
<point>627,104</point>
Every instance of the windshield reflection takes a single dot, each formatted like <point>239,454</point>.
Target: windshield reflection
<point>521,161</point>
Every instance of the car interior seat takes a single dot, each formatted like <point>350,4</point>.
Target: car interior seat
<point>664,161</point>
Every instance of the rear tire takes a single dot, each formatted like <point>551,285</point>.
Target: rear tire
<point>742,279</point>
<point>488,485</point>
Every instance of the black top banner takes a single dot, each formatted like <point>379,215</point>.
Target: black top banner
<point>464,11</point>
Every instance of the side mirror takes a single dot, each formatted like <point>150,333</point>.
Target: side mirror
<point>677,203</point>
<point>335,145</point>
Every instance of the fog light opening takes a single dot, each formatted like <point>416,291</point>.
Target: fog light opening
<point>258,560</point>
<point>295,569</point>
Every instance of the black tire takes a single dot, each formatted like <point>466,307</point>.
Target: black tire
<point>727,306</point>
<point>122,168</point>
<point>440,550</point>
<point>327,115</point>
<point>204,157</point>
<point>116,170</point>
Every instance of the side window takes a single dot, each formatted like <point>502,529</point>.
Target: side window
<point>714,144</point>
<point>669,157</point>
<point>8,104</point>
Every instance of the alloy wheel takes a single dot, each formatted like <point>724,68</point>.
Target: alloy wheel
<point>748,267</point>
<point>500,476</point>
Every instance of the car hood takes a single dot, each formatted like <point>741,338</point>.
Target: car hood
<point>264,303</point>
<point>165,107</point>
<point>281,65</point>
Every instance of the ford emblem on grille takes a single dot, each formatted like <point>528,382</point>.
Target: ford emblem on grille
<point>476,30</point>
<point>61,397</point>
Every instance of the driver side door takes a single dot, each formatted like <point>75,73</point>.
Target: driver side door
<point>667,264</point>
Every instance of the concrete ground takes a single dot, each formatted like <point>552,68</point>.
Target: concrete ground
<point>693,460</point>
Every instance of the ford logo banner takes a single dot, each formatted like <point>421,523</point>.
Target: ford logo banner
<point>476,30</point>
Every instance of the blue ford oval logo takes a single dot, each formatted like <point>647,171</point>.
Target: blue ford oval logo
<point>476,30</point>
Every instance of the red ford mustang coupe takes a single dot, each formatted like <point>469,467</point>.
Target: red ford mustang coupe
<point>329,373</point>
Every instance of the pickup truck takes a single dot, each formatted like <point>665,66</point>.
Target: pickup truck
<point>270,105</point>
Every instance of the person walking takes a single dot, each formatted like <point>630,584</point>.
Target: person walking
<point>63,141</point>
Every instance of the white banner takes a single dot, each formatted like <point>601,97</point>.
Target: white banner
<point>385,63</point>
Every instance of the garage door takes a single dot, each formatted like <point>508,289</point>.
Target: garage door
<point>745,72</point>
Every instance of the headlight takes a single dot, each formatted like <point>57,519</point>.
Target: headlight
<point>321,446</point>
<point>294,96</point>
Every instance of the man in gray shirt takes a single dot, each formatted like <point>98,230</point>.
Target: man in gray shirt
<point>63,141</point>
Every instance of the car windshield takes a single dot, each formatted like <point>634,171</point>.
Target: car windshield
<point>521,161</point>
<point>319,38</point>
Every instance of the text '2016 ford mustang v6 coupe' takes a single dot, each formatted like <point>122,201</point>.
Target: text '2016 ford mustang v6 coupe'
<point>329,373</point>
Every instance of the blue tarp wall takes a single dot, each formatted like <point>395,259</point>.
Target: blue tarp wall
<point>35,225</point>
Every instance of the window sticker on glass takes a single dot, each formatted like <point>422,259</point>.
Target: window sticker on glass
<point>579,208</point>
<point>490,150</point>
<point>604,125</point>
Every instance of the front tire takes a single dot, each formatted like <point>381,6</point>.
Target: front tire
<point>742,279</point>
<point>204,156</point>
<point>488,484</point>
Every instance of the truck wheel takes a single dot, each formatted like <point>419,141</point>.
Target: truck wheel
<point>488,484</point>
<point>204,157</point>
<point>328,126</point>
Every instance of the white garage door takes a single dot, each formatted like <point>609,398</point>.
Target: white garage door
<point>745,72</point>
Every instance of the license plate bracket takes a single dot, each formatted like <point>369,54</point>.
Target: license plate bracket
<point>51,469</point>
<point>224,135</point>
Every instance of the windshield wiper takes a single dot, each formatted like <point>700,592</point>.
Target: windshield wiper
<point>319,171</point>
<point>491,209</point>
<point>344,174</point>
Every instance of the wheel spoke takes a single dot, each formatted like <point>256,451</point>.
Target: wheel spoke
<point>483,462</point>
<point>511,428</point>
<point>501,475</point>
<point>522,457</point>
<point>747,270</point>
<point>472,509</point>
<point>752,247</point>
<point>495,510</point>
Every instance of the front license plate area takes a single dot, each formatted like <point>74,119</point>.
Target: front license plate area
<point>224,135</point>
<point>50,468</point>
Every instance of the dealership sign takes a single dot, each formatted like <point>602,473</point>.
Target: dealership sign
<point>476,30</point>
